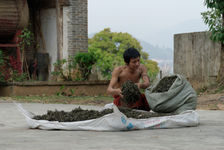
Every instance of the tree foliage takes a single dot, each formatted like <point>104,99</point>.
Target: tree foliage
<point>109,47</point>
<point>214,19</point>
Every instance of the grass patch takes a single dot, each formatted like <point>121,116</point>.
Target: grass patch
<point>60,99</point>
<point>219,89</point>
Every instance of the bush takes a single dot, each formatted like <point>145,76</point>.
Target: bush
<point>85,62</point>
<point>1,67</point>
<point>77,67</point>
<point>58,69</point>
<point>8,71</point>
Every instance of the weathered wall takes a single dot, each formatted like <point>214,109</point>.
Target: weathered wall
<point>196,57</point>
<point>82,88</point>
<point>74,32</point>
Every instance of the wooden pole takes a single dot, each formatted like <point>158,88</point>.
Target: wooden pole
<point>59,20</point>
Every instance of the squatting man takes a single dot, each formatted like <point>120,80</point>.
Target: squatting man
<point>133,71</point>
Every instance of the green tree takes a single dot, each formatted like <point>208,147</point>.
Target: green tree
<point>109,47</point>
<point>214,18</point>
<point>153,68</point>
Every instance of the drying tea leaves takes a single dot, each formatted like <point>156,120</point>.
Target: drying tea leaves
<point>79,114</point>
<point>76,114</point>
<point>130,92</point>
<point>164,84</point>
<point>130,113</point>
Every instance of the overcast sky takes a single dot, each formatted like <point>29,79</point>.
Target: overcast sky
<point>154,21</point>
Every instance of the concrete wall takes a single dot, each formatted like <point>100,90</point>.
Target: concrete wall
<point>49,31</point>
<point>66,20</point>
<point>81,88</point>
<point>197,58</point>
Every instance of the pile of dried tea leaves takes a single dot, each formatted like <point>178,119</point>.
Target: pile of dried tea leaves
<point>79,114</point>
<point>130,113</point>
<point>76,114</point>
<point>164,84</point>
<point>130,92</point>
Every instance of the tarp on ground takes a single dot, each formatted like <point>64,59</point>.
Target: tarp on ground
<point>180,97</point>
<point>115,121</point>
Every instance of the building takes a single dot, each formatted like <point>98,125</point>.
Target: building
<point>60,30</point>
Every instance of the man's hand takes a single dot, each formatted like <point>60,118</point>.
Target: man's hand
<point>138,85</point>
<point>118,92</point>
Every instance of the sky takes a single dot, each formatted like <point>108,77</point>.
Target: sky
<point>153,21</point>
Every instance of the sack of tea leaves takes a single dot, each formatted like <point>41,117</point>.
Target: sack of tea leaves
<point>171,94</point>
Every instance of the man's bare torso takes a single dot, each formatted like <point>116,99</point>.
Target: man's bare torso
<point>125,74</point>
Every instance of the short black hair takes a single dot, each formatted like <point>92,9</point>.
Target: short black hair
<point>130,53</point>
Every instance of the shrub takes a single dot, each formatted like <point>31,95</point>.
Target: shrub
<point>8,71</point>
<point>1,67</point>
<point>85,62</point>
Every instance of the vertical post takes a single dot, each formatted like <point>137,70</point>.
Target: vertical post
<point>160,74</point>
<point>16,40</point>
<point>59,20</point>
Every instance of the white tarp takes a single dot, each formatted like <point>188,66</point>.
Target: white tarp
<point>115,121</point>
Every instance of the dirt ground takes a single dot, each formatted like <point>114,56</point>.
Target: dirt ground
<point>206,100</point>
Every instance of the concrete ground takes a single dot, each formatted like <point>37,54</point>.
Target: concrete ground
<point>15,134</point>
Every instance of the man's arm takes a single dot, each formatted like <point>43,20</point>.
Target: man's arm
<point>114,80</point>
<point>145,78</point>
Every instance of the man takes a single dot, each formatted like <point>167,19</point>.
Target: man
<point>133,71</point>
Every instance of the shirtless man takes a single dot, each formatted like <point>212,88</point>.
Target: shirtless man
<point>133,71</point>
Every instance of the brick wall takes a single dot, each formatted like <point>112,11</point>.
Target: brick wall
<point>78,27</point>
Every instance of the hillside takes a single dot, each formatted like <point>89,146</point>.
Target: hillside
<point>156,52</point>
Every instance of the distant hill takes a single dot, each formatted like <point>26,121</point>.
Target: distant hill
<point>156,52</point>
<point>163,56</point>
